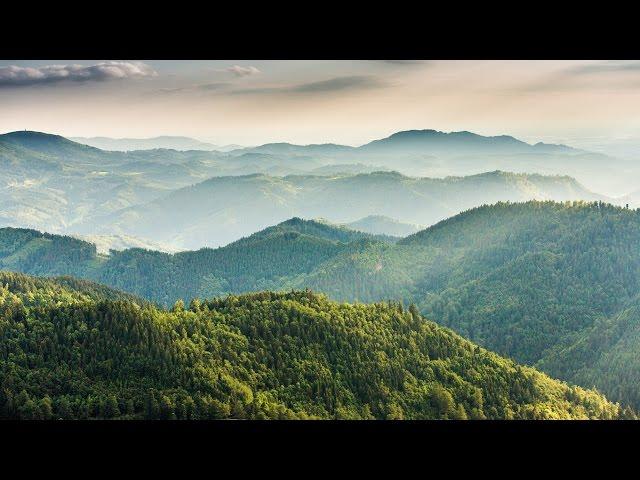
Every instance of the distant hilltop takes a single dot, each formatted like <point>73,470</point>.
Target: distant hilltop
<point>165,142</point>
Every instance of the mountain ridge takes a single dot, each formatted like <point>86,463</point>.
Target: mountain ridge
<point>423,137</point>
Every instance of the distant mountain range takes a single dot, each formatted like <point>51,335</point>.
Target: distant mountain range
<point>223,209</point>
<point>55,184</point>
<point>289,148</point>
<point>424,142</point>
<point>434,153</point>
<point>50,182</point>
<point>163,142</point>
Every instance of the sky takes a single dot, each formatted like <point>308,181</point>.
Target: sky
<point>580,103</point>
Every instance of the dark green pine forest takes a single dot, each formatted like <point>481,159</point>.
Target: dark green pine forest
<point>71,349</point>
<point>551,285</point>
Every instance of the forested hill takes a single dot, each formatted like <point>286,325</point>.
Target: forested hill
<point>68,353</point>
<point>267,259</point>
<point>43,144</point>
<point>316,228</point>
<point>549,284</point>
<point>605,355</point>
<point>524,278</point>
<point>531,281</point>
<point>66,289</point>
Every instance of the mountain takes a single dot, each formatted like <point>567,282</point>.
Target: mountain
<point>164,142</point>
<point>432,153</point>
<point>76,352</point>
<point>379,224</point>
<point>51,183</point>
<point>523,279</point>
<point>457,153</point>
<point>316,228</point>
<point>425,142</point>
<point>223,209</point>
<point>433,142</point>
<point>54,184</point>
<point>547,284</point>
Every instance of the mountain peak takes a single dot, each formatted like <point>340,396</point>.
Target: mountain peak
<point>435,141</point>
<point>416,133</point>
<point>30,134</point>
<point>40,141</point>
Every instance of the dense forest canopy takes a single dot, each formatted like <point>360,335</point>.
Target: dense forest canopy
<point>535,281</point>
<point>540,282</point>
<point>74,350</point>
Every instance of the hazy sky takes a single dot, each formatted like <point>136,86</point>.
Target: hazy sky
<point>349,102</point>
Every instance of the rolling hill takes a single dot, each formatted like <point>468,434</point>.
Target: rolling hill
<point>80,351</point>
<point>52,183</point>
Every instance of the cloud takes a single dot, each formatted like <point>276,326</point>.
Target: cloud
<point>14,76</point>
<point>239,71</point>
<point>356,82</point>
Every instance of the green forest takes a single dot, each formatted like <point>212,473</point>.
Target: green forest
<point>71,349</point>
<point>550,285</point>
